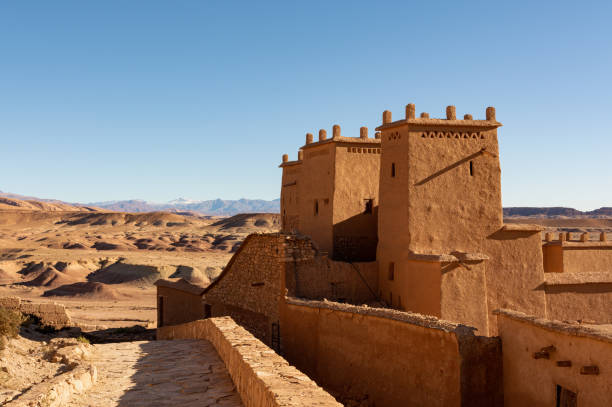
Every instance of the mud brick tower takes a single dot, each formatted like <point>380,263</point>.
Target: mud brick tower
<point>331,194</point>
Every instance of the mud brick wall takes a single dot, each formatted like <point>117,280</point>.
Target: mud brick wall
<point>262,378</point>
<point>582,296</point>
<point>178,306</point>
<point>50,314</point>
<point>322,278</point>
<point>545,361</point>
<point>391,358</point>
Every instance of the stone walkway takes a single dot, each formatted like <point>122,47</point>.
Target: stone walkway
<point>159,373</point>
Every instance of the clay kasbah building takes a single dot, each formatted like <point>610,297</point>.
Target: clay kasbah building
<point>395,281</point>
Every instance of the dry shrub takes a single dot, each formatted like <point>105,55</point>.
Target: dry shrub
<point>10,321</point>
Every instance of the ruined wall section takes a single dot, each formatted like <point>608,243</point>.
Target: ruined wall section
<point>546,362</point>
<point>391,358</point>
<point>50,314</point>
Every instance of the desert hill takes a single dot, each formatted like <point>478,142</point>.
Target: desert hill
<point>99,261</point>
<point>39,205</point>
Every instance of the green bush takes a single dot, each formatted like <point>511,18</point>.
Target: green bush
<point>82,339</point>
<point>10,321</point>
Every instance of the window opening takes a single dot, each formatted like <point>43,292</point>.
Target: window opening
<point>316,207</point>
<point>207,311</point>
<point>369,205</point>
<point>566,398</point>
<point>392,169</point>
<point>391,271</point>
<point>471,168</point>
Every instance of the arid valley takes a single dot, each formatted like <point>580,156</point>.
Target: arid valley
<point>102,265</point>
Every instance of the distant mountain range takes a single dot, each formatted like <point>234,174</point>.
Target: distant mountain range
<point>210,207</point>
<point>232,207</point>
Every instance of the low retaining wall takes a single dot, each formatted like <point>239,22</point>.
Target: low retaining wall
<point>548,363</point>
<point>391,358</point>
<point>262,378</point>
<point>50,314</point>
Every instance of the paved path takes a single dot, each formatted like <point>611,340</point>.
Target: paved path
<point>159,373</point>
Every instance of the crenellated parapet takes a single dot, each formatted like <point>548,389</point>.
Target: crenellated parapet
<point>571,237</point>
<point>338,138</point>
<point>450,121</point>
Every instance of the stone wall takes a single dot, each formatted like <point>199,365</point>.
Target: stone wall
<point>262,378</point>
<point>50,314</point>
<point>250,287</point>
<point>546,362</point>
<point>391,358</point>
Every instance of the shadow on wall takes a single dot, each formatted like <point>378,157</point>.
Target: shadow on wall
<point>355,238</point>
<point>582,288</point>
<point>502,234</point>
<point>179,373</point>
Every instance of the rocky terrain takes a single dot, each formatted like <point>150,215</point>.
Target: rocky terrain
<point>557,212</point>
<point>102,264</point>
<point>575,225</point>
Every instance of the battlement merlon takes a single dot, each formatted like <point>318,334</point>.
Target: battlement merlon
<point>287,163</point>
<point>290,163</point>
<point>451,120</point>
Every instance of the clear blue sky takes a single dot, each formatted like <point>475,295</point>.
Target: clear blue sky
<point>164,99</point>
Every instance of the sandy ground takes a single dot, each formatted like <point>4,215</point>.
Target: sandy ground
<point>102,265</point>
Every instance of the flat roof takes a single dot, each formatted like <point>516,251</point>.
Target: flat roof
<point>426,122</point>
<point>348,140</point>
<point>181,285</point>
